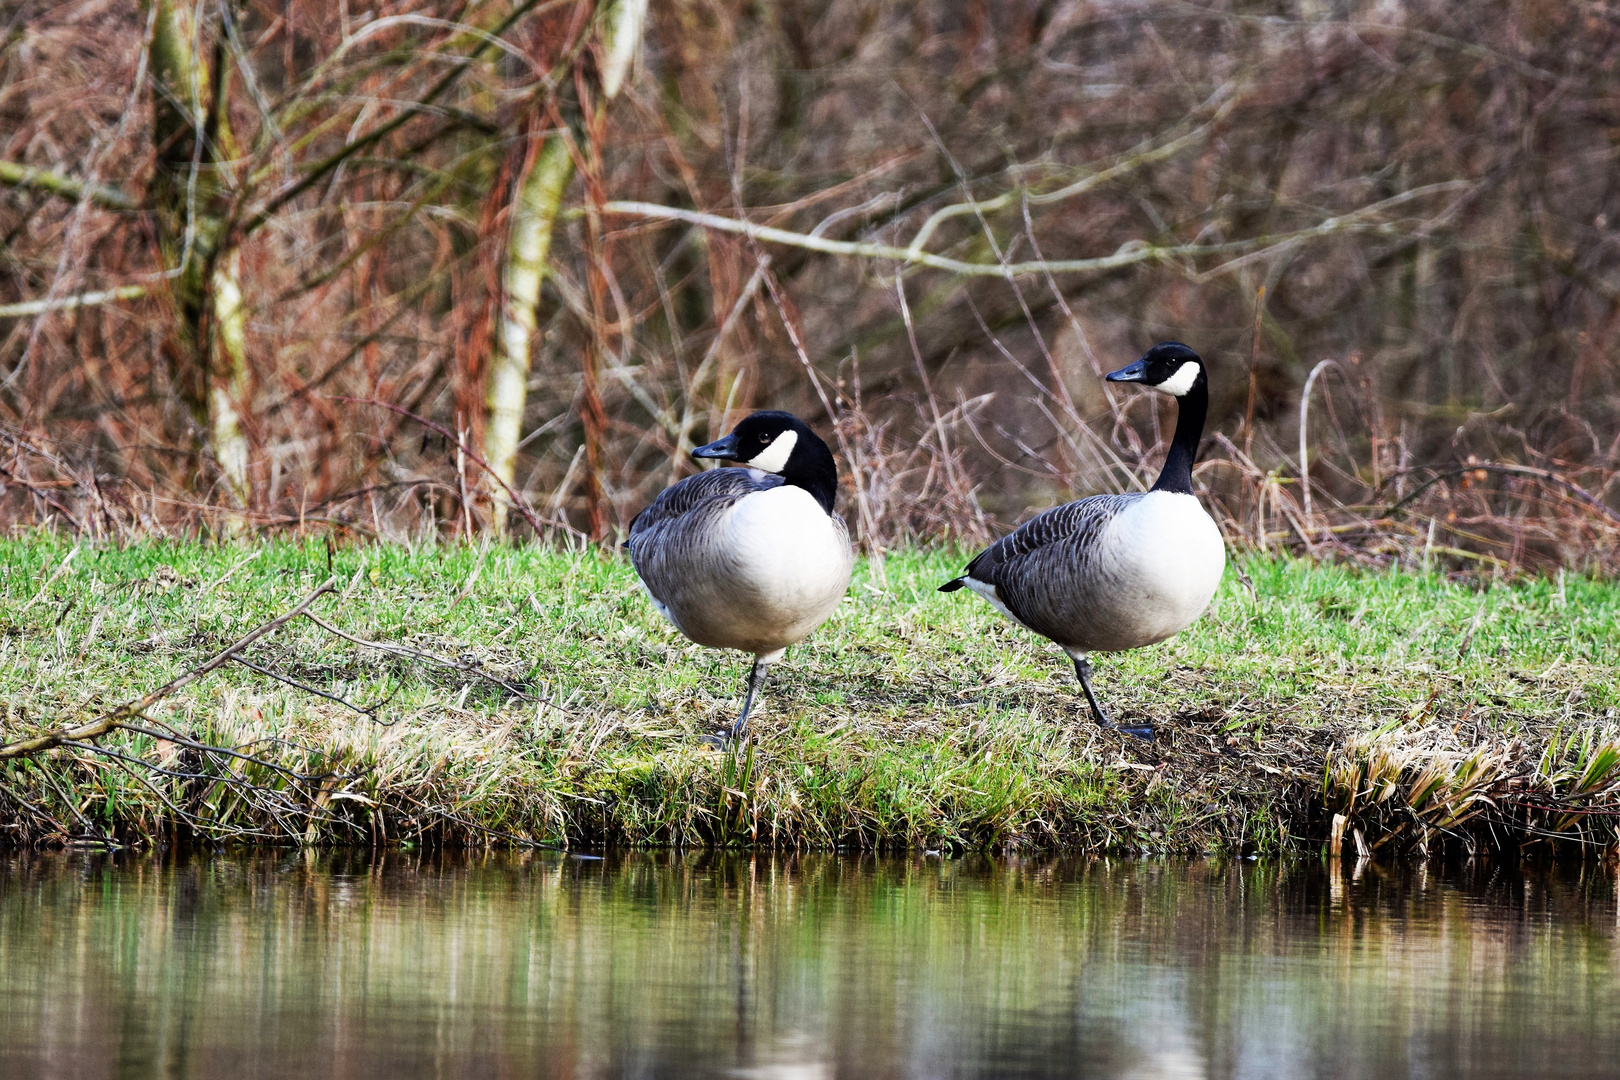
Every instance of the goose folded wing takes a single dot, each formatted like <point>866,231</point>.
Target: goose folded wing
<point>706,493</point>
<point>1063,534</point>
<point>1036,566</point>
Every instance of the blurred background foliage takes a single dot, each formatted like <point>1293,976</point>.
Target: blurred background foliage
<point>263,265</point>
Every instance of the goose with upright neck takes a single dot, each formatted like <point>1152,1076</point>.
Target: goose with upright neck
<point>751,558</point>
<point>1116,572</point>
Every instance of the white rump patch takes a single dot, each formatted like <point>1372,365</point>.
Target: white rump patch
<point>992,596</point>
<point>661,607</point>
<point>774,458</point>
<point>1181,382</point>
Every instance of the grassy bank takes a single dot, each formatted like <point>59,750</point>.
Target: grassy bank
<point>561,708</point>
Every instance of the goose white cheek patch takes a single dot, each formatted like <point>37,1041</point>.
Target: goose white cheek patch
<point>1181,382</point>
<point>774,458</point>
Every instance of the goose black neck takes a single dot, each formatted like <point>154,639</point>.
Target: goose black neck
<point>812,467</point>
<point>1176,476</point>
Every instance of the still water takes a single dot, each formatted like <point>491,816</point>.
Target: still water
<point>648,965</point>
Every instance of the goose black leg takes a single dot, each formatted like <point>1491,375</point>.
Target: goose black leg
<point>1082,668</point>
<point>756,683</point>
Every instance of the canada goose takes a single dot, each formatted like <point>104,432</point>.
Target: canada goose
<point>751,559</point>
<point>1115,572</point>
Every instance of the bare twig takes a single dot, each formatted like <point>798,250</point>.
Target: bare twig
<point>1146,153</point>
<point>474,670</point>
<point>1304,418</point>
<point>66,187</point>
<point>131,710</point>
<point>455,440</point>
<point>27,308</point>
<point>1129,254</point>
<point>370,712</point>
<point>1546,475</point>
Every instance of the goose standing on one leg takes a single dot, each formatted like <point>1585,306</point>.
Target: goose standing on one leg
<point>1116,572</point>
<point>751,559</point>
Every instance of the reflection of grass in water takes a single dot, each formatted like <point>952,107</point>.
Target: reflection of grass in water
<point>911,718</point>
<point>545,962</point>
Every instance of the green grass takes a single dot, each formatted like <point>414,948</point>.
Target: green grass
<point>911,718</point>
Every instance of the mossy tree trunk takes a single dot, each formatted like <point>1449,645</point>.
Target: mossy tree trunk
<point>192,138</point>
<point>534,215</point>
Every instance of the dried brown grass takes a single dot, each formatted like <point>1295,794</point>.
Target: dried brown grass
<point>1425,786</point>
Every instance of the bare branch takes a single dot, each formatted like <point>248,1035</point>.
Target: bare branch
<point>131,710</point>
<point>66,187</point>
<point>1129,254</point>
<point>28,308</point>
<point>1144,153</point>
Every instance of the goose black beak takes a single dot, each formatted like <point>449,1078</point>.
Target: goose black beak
<point>725,449</point>
<point>1136,372</point>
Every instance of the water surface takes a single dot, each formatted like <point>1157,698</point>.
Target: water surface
<point>726,966</point>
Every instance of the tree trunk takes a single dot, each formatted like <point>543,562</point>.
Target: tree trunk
<point>534,215</point>
<point>189,128</point>
<point>228,378</point>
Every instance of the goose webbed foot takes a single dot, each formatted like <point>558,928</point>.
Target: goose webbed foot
<point>737,731</point>
<point>1082,668</point>
<point>1135,731</point>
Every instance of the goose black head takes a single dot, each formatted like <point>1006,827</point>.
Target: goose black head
<point>1172,368</point>
<point>1169,367</point>
<point>780,443</point>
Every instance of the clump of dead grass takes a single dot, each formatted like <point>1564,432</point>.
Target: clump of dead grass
<point>1424,786</point>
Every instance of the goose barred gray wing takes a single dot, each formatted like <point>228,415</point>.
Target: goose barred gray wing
<point>719,487</point>
<point>671,541</point>
<point>1045,570</point>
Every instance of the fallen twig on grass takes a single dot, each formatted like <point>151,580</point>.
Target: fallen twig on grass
<point>370,712</point>
<point>137,709</point>
<point>465,668</point>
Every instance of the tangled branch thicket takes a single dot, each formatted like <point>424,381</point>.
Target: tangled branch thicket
<point>232,229</point>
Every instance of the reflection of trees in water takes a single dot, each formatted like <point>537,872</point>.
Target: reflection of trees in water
<point>659,965</point>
